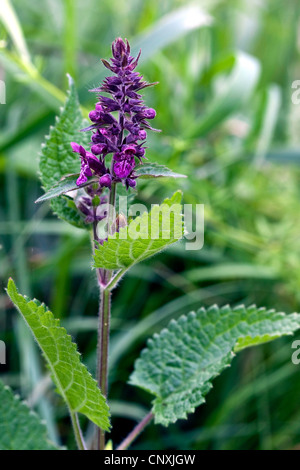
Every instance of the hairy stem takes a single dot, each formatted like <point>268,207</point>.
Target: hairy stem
<point>103,342</point>
<point>77,431</point>
<point>114,281</point>
<point>104,322</point>
<point>136,432</point>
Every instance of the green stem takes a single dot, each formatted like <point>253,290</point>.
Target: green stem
<point>77,431</point>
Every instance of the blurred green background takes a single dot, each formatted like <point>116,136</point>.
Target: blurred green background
<point>224,105</point>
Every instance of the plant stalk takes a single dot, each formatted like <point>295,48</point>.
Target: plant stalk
<point>104,321</point>
<point>136,432</point>
<point>103,342</point>
<point>77,431</point>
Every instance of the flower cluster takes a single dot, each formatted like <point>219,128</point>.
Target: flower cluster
<point>119,123</point>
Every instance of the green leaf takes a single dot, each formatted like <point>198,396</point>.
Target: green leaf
<point>179,364</point>
<point>145,236</point>
<point>66,184</point>
<point>57,158</point>
<point>153,170</point>
<point>20,428</point>
<point>74,382</point>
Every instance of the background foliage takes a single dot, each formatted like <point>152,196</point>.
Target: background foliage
<point>224,105</point>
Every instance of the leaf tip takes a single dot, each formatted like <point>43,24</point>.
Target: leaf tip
<point>70,80</point>
<point>10,283</point>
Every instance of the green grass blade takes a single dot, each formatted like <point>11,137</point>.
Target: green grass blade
<point>169,29</point>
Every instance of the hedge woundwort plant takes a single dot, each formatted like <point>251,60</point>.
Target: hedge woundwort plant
<point>123,137</point>
<point>88,176</point>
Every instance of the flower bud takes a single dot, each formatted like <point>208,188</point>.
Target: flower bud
<point>149,113</point>
<point>97,149</point>
<point>118,48</point>
<point>105,181</point>
<point>131,182</point>
<point>95,116</point>
<point>142,135</point>
<point>121,221</point>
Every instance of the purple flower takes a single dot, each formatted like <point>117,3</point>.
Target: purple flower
<point>149,113</point>
<point>88,163</point>
<point>123,165</point>
<point>85,172</point>
<point>85,205</point>
<point>105,181</point>
<point>97,149</point>
<point>143,134</point>
<point>119,122</point>
<point>130,182</point>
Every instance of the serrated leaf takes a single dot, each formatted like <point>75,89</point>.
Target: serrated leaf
<point>153,170</point>
<point>74,382</point>
<point>145,236</point>
<point>20,428</point>
<point>57,158</point>
<point>65,185</point>
<point>179,364</point>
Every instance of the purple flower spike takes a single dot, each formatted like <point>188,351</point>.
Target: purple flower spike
<point>119,122</point>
